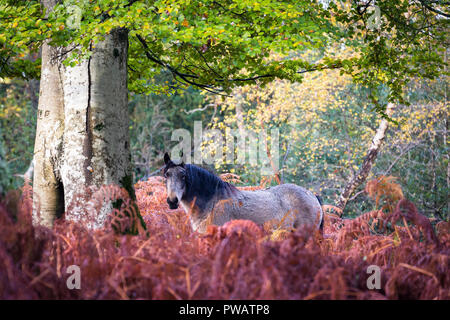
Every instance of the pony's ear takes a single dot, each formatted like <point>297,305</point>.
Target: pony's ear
<point>166,158</point>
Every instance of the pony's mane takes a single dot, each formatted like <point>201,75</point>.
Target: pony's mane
<point>203,185</point>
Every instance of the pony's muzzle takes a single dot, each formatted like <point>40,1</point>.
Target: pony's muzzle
<point>173,204</point>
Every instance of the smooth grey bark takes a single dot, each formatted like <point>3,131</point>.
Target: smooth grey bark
<point>368,162</point>
<point>48,201</point>
<point>82,139</point>
<point>96,140</point>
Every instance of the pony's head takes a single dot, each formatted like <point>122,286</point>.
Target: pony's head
<point>175,175</point>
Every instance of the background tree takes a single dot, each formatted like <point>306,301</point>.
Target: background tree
<point>208,44</point>
<point>326,127</point>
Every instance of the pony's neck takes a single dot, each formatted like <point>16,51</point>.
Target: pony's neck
<point>204,185</point>
<point>203,191</point>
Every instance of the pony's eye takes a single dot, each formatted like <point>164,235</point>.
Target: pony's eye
<point>167,174</point>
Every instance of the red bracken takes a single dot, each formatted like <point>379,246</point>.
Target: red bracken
<point>236,261</point>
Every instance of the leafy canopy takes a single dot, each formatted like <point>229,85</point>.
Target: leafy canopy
<point>216,45</point>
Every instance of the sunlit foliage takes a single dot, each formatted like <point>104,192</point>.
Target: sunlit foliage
<point>326,126</point>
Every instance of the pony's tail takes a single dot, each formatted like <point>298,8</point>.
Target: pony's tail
<point>322,218</point>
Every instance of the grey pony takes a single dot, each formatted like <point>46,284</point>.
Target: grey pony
<point>209,200</point>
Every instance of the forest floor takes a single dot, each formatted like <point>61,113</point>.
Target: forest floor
<point>239,260</point>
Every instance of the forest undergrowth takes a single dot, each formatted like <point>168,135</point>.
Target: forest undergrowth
<point>239,260</point>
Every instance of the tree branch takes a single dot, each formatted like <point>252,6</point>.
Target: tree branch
<point>427,5</point>
<point>187,78</point>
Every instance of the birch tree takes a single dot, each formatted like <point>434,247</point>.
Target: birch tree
<point>369,160</point>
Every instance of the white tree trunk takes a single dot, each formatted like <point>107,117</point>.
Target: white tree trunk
<point>48,201</point>
<point>368,162</point>
<point>82,141</point>
<point>96,141</point>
